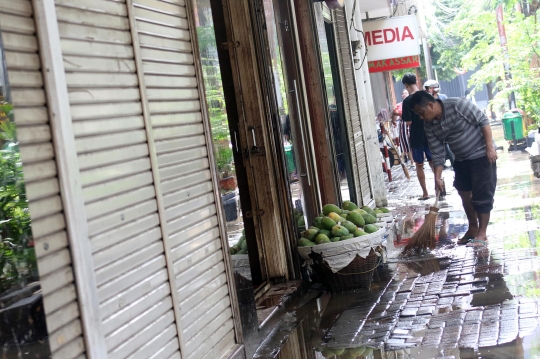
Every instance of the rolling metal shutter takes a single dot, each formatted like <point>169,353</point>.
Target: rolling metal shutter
<point>352,110</point>
<point>136,305</point>
<point>42,184</point>
<point>145,171</point>
<point>149,192</point>
<point>165,32</point>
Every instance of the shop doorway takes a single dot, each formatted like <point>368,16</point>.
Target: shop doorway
<point>262,128</point>
<point>334,102</point>
<point>228,156</point>
<point>262,138</point>
<point>284,85</point>
<point>266,170</point>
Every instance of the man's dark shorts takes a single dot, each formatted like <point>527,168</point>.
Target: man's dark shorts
<point>418,154</point>
<point>480,177</point>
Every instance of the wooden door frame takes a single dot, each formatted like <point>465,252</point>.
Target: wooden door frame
<point>340,92</point>
<point>273,119</point>
<point>316,99</point>
<point>237,49</point>
<point>229,79</point>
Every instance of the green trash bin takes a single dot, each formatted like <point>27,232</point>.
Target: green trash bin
<point>515,120</point>
<point>289,158</point>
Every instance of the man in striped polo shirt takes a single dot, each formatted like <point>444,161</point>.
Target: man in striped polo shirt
<point>466,130</point>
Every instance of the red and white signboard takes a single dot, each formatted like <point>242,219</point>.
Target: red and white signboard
<point>405,62</point>
<point>391,38</point>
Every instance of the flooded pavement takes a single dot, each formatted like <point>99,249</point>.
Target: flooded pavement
<point>456,302</point>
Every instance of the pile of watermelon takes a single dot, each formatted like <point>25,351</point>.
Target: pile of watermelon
<point>241,246</point>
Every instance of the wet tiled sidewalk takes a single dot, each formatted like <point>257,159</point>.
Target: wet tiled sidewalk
<point>463,303</point>
<point>455,302</point>
<point>473,298</point>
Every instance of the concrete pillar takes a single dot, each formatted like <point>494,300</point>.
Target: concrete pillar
<point>367,109</point>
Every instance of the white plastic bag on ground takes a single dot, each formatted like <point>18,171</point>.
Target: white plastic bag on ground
<point>533,150</point>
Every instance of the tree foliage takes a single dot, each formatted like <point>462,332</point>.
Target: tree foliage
<point>17,256</point>
<point>215,97</point>
<point>464,35</point>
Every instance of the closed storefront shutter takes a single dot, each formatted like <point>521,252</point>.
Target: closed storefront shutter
<point>145,173</point>
<point>186,181</point>
<point>128,252</point>
<point>132,99</point>
<point>42,183</point>
<point>352,110</point>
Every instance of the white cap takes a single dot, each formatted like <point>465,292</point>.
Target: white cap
<point>431,83</point>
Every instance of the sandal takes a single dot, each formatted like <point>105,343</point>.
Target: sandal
<point>478,243</point>
<point>423,198</point>
<point>465,240</point>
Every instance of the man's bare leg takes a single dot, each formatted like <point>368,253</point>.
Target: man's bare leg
<point>422,179</point>
<point>472,217</point>
<point>480,240</point>
<point>483,219</point>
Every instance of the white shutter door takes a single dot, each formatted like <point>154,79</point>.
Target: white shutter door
<point>136,305</point>
<point>352,110</point>
<point>186,180</point>
<point>127,228</point>
<point>42,186</point>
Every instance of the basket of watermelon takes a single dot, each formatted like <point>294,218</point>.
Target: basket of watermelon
<point>344,245</point>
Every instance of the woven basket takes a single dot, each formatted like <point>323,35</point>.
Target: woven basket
<point>357,275</point>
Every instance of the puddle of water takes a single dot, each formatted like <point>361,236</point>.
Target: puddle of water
<point>466,305</point>
<point>445,308</point>
<point>455,302</point>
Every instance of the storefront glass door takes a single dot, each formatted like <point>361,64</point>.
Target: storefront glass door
<point>287,86</point>
<point>227,153</point>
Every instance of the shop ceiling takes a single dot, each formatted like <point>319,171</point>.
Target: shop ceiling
<point>369,8</point>
<point>377,8</point>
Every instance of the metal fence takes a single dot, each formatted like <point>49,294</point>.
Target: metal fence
<point>453,88</point>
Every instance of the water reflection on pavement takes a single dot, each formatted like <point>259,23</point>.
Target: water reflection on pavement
<point>456,302</point>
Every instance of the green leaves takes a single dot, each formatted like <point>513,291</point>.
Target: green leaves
<point>465,35</point>
<point>17,255</point>
<point>8,131</point>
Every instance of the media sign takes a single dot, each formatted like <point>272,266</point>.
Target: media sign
<point>391,38</point>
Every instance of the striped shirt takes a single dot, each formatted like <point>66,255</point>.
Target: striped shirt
<point>460,126</point>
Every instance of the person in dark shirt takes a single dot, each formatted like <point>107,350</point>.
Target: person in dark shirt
<point>418,140</point>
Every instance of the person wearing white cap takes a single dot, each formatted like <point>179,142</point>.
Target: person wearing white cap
<point>433,88</point>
